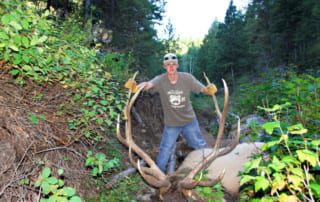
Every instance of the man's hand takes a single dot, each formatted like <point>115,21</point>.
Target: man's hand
<point>145,85</point>
<point>211,89</point>
<point>131,85</point>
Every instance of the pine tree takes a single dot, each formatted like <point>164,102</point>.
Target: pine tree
<point>232,43</point>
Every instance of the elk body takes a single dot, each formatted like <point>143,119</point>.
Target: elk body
<point>232,163</point>
<point>180,184</point>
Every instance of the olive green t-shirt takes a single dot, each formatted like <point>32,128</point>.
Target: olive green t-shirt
<point>175,98</point>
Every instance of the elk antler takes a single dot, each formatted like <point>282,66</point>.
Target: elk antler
<point>213,97</point>
<point>153,175</point>
<point>188,182</point>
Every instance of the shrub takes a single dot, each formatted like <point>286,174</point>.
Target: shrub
<point>301,90</point>
<point>287,172</point>
<point>53,189</point>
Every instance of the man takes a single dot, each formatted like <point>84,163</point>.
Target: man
<point>179,118</point>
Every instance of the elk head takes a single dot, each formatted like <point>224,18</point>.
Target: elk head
<point>180,183</point>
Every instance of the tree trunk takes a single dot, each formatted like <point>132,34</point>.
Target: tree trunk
<point>233,86</point>
<point>86,11</point>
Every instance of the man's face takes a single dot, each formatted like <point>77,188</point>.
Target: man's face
<point>171,68</point>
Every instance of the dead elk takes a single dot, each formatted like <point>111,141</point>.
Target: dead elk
<point>179,184</point>
<point>232,163</point>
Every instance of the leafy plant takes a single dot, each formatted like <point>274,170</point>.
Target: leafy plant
<point>35,119</point>
<point>286,174</point>
<point>118,64</point>
<point>99,163</point>
<point>210,194</point>
<point>53,188</point>
<point>40,48</point>
<point>301,90</point>
<point>24,181</point>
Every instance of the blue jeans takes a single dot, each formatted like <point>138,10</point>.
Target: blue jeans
<point>191,132</point>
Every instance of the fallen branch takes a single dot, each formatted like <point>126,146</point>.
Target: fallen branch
<point>121,175</point>
<point>59,148</point>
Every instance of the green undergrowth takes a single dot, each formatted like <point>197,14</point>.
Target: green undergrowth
<point>125,189</point>
<point>273,87</point>
<point>209,193</point>
<point>54,189</point>
<point>36,46</point>
<point>289,168</point>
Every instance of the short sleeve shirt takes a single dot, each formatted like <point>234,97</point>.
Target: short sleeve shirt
<point>175,98</point>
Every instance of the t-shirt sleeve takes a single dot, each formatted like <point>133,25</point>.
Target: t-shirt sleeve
<point>155,82</point>
<point>196,86</point>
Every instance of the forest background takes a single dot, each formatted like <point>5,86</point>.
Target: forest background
<point>67,61</point>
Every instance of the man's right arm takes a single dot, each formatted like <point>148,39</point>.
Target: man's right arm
<point>153,84</point>
<point>146,85</point>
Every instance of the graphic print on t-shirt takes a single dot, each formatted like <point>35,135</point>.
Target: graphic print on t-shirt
<point>176,98</point>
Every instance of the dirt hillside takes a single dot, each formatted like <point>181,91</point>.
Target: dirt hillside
<point>34,133</point>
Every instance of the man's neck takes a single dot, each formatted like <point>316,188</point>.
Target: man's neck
<point>173,78</point>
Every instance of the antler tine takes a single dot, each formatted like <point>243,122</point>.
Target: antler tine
<point>129,95</point>
<point>130,141</point>
<point>213,97</point>
<point>211,182</point>
<point>188,180</point>
<point>154,170</point>
<point>123,141</point>
<point>191,183</point>
<point>119,136</point>
<point>147,170</point>
<point>151,179</point>
<point>224,115</point>
<point>234,143</point>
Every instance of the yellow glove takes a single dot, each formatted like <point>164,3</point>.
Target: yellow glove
<point>131,85</point>
<point>211,89</point>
